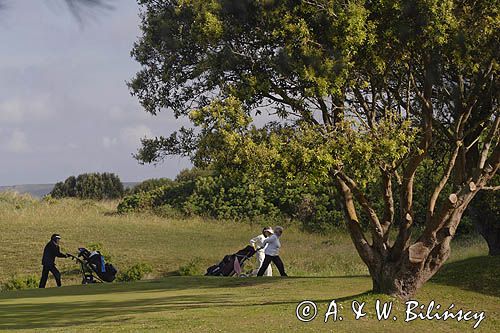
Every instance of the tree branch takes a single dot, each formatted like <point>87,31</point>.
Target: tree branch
<point>443,181</point>
<point>376,227</point>
<point>362,246</point>
<point>492,134</point>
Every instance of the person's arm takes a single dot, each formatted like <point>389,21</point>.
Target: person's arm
<point>59,254</point>
<point>254,241</point>
<point>268,240</point>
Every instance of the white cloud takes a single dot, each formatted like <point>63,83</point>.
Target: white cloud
<point>21,109</point>
<point>16,142</point>
<point>132,136</point>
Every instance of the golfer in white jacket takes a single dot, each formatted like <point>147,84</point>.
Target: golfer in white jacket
<point>272,252</point>
<point>257,243</point>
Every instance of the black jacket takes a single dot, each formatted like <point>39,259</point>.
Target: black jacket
<point>50,253</point>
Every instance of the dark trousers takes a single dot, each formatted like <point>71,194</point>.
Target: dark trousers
<point>276,260</point>
<point>45,275</point>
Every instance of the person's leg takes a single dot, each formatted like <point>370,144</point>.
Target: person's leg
<point>259,256</point>
<point>279,264</point>
<point>45,276</point>
<point>269,271</point>
<point>57,275</point>
<point>265,264</point>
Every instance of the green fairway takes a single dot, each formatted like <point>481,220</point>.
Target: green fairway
<point>185,304</point>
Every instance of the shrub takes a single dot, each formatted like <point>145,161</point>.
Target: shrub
<point>95,186</point>
<point>151,184</point>
<point>134,273</point>
<point>235,196</point>
<point>191,175</point>
<point>135,202</point>
<point>21,282</point>
<point>174,195</point>
<point>168,211</point>
<point>193,267</point>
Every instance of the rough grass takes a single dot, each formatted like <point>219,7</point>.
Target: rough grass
<point>166,244</point>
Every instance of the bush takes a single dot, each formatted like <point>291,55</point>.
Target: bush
<point>134,273</point>
<point>136,202</point>
<point>235,196</point>
<point>193,267</point>
<point>21,282</point>
<point>151,184</point>
<point>174,195</point>
<point>168,211</point>
<point>95,186</point>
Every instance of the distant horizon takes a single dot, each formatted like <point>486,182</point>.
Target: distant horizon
<point>53,183</point>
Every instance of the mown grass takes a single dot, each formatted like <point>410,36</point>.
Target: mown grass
<point>208,304</point>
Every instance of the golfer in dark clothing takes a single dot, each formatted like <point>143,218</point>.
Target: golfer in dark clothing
<point>50,253</point>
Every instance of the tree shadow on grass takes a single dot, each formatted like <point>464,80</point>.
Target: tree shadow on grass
<point>478,274</point>
<point>66,314</point>
<point>53,309</point>
<point>176,283</point>
<point>168,283</point>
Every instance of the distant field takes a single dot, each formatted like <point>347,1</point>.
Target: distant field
<point>323,267</point>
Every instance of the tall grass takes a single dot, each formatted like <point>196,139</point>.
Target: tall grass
<point>164,243</point>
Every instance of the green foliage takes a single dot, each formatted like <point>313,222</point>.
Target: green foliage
<point>21,282</point>
<point>358,90</point>
<point>193,267</point>
<point>235,196</point>
<point>483,213</point>
<point>151,184</point>
<point>134,273</point>
<point>135,202</point>
<point>224,198</point>
<point>173,194</point>
<point>95,186</point>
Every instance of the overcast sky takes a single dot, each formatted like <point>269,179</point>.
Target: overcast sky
<point>64,105</point>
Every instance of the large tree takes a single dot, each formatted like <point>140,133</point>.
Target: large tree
<point>362,92</point>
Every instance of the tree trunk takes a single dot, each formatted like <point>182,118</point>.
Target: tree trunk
<point>491,233</point>
<point>403,278</point>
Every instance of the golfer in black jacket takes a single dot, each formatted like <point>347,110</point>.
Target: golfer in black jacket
<point>50,253</point>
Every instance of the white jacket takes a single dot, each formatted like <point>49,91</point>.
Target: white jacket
<point>273,246</point>
<point>257,242</point>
